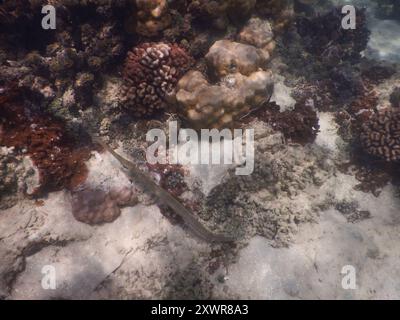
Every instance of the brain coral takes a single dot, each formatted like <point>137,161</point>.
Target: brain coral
<point>380,135</point>
<point>150,73</point>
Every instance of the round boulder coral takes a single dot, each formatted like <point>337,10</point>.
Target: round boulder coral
<point>96,206</point>
<point>380,135</point>
<point>150,74</point>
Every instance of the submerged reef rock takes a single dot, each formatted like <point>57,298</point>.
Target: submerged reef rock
<point>387,9</point>
<point>170,177</point>
<point>97,206</point>
<point>380,135</point>
<point>325,38</point>
<point>258,32</point>
<point>271,201</point>
<point>18,176</point>
<point>221,12</point>
<point>205,105</point>
<point>152,16</point>
<point>226,57</point>
<point>300,125</point>
<point>12,11</point>
<point>44,139</point>
<point>101,45</point>
<point>280,11</point>
<point>329,54</point>
<point>150,74</point>
<point>395,98</point>
<point>272,8</point>
<point>66,65</point>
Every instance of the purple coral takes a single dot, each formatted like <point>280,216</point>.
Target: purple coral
<point>380,135</point>
<point>151,73</point>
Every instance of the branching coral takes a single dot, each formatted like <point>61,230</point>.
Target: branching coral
<point>151,73</point>
<point>380,135</point>
<point>44,139</point>
<point>102,45</point>
<point>300,125</point>
<point>152,16</point>
<point>330,56</point>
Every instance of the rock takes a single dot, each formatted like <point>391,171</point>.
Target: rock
<point>95,206</point>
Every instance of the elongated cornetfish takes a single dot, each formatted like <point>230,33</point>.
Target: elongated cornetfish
<point>134,173</point>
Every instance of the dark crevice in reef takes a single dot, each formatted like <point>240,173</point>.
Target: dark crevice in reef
<point>21,26</point>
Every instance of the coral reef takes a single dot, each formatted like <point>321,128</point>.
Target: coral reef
<point>55,154</point>
<point>221,12</point>
<point>171,177</point>
<point>352,212</point>
<point>258,32</point>
<point>313,94</point>
<point>151,73</point>
<point>281,11</point>
<point>395,98</point>
<point>387,9</point>
<point>371,171</point>
<point>64,66</point>
<point>8,172</point>
<point>267,202</point>
<point>300,125</point>
<point>242,86</point>
<point>18,176</point>
<point>102,45</point>
<point>380,135</point>
<point>325,38</point>
<point>226,57</point>
<point>330,56</point>
<point>12,11</point>
<point>205,105</point>
<point>375,72</point>
<point>152,16</point>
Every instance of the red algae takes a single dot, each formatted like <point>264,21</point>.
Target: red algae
<point>60,162</point>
